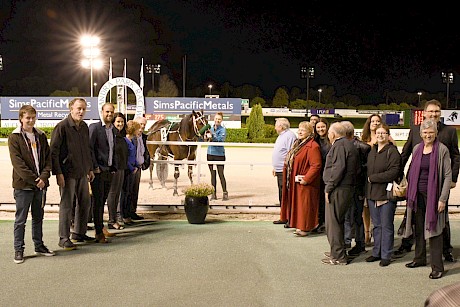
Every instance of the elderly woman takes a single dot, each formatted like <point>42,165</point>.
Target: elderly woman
<point>383,167</point>
<point>429,178</point>
<point>301,182</point>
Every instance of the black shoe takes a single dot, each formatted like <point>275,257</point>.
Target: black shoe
<point>18,257</point>
<point>287,225</point>
<point>435,275</point>
<point>136,217</point>
<point>81,238</point>
<point>279,222</point>
<point>402,251</point>
<point>67,245</point>
<point>414,264</point>
<point>385,262</point>
<point>372,259</point>
<point>44,251</point>
<point>356,250</point>
<point>449,258</point>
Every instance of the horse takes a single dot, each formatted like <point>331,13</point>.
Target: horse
<point>191,128</point>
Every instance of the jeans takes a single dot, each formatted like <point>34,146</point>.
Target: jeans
<point>383,219</point>
<point>26,199</point>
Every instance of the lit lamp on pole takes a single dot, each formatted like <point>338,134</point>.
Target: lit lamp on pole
<point>95,87</point>
<point>447,78</point>
<point>419,95</point>
<point>320,90</point>
<point>91,54</point>
<point>307,73</point>
<point>210,89</point>
<point>156,70</point>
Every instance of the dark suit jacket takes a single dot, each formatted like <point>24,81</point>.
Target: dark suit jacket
<point>446,135</point>
<point>100,147</point>
<point>342,163</point>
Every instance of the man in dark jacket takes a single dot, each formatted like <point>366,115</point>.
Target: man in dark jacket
<point>31,160</point>
<point>339,175</point>
<point>354,216</point>
<point>102,137</point>
<point>71,163</point>
<point>448,136</point>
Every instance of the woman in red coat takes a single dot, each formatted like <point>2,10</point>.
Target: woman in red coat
<point>301,182</point>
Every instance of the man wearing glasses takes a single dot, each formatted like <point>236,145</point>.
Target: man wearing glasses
<point>448,136</point>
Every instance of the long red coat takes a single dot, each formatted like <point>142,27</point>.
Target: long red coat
<point>301,202</point>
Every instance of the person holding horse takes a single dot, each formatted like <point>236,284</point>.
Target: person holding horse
<point>217,153</point>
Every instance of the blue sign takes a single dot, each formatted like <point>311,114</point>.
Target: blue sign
<point>52,108</point>
<point>174,105</point>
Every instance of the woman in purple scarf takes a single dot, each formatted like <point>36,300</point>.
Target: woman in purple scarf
<point>429,178</point>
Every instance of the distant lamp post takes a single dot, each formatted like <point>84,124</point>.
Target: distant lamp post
<point>95,87</point>
<point>447,78</point>
<point>307,73</point>
<point>419,95</point>
<point>153,69</point>
<point>1,63</point>
<point>210,89</point>
<point>320,90</point>
<point>91,54</point>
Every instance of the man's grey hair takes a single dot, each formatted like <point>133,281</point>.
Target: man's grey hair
<point>349,128</point>
<point>283,122</point>
<point>338,129</point>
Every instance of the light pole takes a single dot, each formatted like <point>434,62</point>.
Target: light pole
<point>91,53</point>
<point>320,90</point>
<point>95,87</point>
<point>156,70</point>
<point>307,73</point>
<point>210,89</point>
<point>419,95</point>
<point>149,70</point>
<point>447,78</point>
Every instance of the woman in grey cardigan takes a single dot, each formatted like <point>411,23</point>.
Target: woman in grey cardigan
<point>429,178</point>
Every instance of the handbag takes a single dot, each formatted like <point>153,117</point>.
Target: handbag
<point>398,190</point>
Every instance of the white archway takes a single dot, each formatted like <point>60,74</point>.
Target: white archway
<point>101,99</point>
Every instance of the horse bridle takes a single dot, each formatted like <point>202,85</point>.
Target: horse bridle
<point>200,119</point>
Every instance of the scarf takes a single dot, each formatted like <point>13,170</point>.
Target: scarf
<point>289,162</point>
<point>431,216</point>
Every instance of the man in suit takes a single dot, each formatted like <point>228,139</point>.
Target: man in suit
<point>448,136</point>
<point>143,159</point>
<point>339,175</point>
<point>102,141</point>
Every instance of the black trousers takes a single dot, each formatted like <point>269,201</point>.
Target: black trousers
<point>406,243</point>
<point>279,180</point>
<point>100,187</point>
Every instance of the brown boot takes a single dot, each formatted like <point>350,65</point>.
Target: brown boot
<point>225,196</point>
<point>100,238</point>
<point>107,234</point>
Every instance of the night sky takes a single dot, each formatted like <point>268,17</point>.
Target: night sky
<point>359,50</point>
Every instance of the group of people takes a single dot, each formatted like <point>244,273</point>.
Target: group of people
<point>96,165</point>
<point>331,181</point>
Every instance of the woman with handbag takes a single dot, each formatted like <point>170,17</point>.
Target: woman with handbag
<point>383,167</point>
<point>429,178</point>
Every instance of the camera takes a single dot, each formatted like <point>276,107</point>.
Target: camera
<point>298,178</point>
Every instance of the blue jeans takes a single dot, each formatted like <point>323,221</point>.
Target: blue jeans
<point>26,199</point>
<point>384,230</point>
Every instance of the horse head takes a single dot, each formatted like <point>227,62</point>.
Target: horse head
<point>201,126</point>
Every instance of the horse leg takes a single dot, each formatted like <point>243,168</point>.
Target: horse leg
<point>176,176</point>
<point>151,171</point>
<point>190,173</point>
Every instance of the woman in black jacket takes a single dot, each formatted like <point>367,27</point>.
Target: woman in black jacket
<point>383,167</point>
